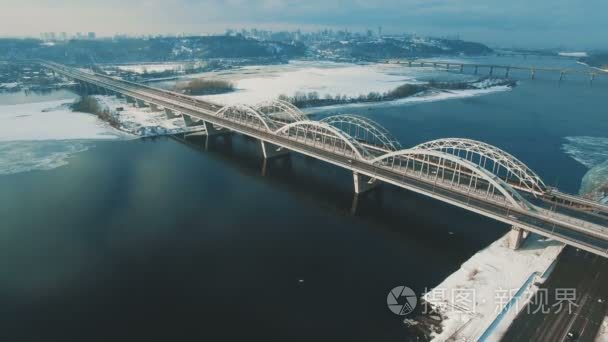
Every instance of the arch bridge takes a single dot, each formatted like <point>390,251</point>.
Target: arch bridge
<point>469,174</point>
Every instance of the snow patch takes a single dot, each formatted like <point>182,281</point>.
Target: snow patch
<point>495,271</point>
<point>257,84</point>
<point>51,120</point>
<point>44,135</point>
<point>573,54</point>
<point>142,121</point>
<point>602,335</point>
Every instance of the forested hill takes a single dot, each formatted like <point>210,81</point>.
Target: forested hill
<point>350,48</point>
<point>154,49</point>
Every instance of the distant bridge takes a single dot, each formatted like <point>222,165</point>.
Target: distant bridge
<point>497,69</point>
<point>468,174</point>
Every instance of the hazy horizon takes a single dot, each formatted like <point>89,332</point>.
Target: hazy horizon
<point>542,24</point>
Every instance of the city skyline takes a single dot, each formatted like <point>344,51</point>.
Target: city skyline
<point>518,23</point>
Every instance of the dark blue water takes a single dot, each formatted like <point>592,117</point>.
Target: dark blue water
<point>157,239</point>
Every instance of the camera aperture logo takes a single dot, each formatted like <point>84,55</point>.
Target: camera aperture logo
<point>401,300</point>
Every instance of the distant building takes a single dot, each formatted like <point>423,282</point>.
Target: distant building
<point>91,35</point>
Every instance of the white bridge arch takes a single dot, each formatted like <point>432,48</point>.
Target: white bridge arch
<point>364,129</point>
<point>247,115</point>
<point>490,158</point>
<point>435,164</point>
<point>276,108</point>
<point>323,134</point>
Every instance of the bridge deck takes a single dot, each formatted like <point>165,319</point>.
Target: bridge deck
<point>320,145</point>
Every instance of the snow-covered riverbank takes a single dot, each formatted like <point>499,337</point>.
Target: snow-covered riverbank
<point>255,84</point>
<point>487,292</point>
<point>44,135</point>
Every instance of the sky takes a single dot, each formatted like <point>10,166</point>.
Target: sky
<point>580,24</point>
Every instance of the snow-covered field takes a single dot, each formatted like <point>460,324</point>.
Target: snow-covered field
<point>44,135</point>
<point>492,277</point>
<point>52,120</point>
<point>143,68</point>
<point>263,83</point>
<point>573,54</point>
<point>142,121</point>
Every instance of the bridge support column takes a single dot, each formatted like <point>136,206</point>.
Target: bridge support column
<point>491,70</point>
<point>129,99</point>
<point>364,183</point>
<point>190,122</point>
<point>212,130</point>
<point>272,151</point>
<point>476,69</point>
<point>139,103</point>
<point>153,107</point>
<point>516,237</point>
<point>461,68</point>
<point>171,114</point>
<point>507,72</point>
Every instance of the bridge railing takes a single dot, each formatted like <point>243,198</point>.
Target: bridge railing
<point>321,139</point>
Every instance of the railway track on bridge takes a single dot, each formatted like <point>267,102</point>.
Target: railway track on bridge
<point>472,175</point>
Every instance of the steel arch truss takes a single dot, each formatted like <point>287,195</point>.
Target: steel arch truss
<point>365,130</point>
<point>248,116</point>
<point>491,158</point>
<point>325,136</point>
<point>282,111</point>
<point>451,171</point>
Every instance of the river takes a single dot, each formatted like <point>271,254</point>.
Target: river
<point>135,239</point>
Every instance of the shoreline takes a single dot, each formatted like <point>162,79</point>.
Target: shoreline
<point>494,270</point>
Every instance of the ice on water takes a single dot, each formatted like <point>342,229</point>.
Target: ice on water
<point>593,153</point>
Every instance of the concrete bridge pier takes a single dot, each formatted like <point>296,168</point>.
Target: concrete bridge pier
<point>364,183</point>
<point>591,78</point>
<point>211,130</point>
<point>532,73</point>
<point>129,99</point>
<point>516,237</point>
<point>507,72</point>
<point>561,75</point>
<point>171,114</point>
<point>153,106</point>
<point>139,103</point>
<point>190,122</point>
<point>476,69</point>
<point>85,88</point>
<point>81,87</point>
<point>409,64</point>
<point>272,151</point>
<point>491,70</point>
<point>461,68</point>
